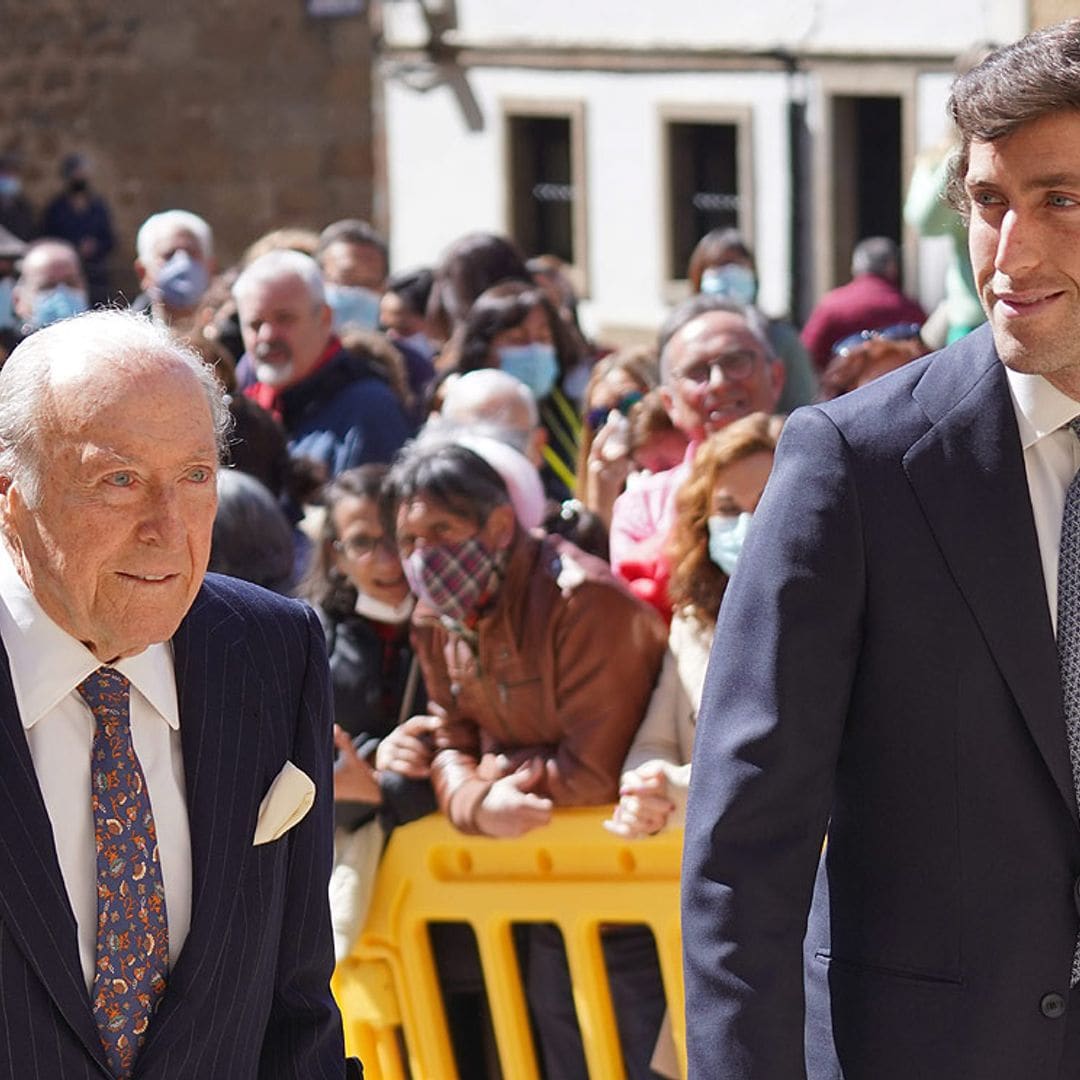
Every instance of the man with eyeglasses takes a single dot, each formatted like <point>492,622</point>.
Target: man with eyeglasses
<point>897,665</point>
<point>716,366</point>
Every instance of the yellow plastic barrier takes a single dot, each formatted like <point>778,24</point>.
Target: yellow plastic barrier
<point>572,873</point>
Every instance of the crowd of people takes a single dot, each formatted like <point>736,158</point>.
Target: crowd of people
<point>470,492</point>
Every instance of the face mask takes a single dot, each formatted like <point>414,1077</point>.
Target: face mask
<point>726,537</point>
<point>59,302</point>
<point>77,185</point>
<point>378,611</point>
<point>454,579</point>
<point>182,281</point>
<point>535,365</point>
<point>353,306</point>
<point>10,186</point>
<point>731,281</point>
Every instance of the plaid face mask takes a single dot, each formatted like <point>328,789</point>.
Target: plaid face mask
<point>454,579</point>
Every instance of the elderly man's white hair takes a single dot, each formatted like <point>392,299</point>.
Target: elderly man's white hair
<point>108,337</point>
<point>282,263</point>
<point>490,396</point>
<point>168,221</point>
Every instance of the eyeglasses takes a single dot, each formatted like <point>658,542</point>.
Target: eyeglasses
<point>362,547</point>
<point>737,365</point>
<point>897,332</point>
<point>595,417</point>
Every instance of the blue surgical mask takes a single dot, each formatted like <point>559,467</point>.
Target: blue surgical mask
<point>726,537</point>
<point>182,281</point>
<point>353,306</point>
<point>732,281</point>
<point>59,302</point>
<point>534,364</point>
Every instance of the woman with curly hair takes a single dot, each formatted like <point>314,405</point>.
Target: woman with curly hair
<point>713,510</point>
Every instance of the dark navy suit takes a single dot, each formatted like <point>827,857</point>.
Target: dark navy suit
<point>248,996</point>
<point>885,666</point>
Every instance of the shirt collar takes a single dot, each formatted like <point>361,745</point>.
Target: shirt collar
<point>1041,408</point>
<point>47,663</point>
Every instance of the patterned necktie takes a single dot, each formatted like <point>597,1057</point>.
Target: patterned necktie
<point>1068,635</point>
<point>132,959</point>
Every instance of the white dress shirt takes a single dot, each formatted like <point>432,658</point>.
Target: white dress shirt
<point>47,665</point>
<point>1051,458</point>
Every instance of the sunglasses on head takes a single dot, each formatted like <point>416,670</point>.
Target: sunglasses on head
<point>595,417</point>
<point>897,332</point>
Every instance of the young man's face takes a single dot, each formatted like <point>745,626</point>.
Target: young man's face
<point>1024,192</point>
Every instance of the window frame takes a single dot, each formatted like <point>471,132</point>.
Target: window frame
<point>674,284</point>
<point>573,110</point>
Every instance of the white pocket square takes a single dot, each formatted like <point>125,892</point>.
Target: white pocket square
<point>286,802</point>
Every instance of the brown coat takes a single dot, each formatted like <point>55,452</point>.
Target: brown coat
<point>562,667</point>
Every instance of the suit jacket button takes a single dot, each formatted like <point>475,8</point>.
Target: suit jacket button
<point>1052,1006</point>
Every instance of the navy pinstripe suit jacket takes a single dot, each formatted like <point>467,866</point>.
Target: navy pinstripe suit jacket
<point>249,995</point>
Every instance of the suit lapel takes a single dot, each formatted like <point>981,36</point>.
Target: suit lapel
<point>214,734</point>
<point>968,475</point>
<point>33,901</point>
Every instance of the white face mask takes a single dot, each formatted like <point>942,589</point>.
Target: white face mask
<point>726,536</point>
<point>378,611</point>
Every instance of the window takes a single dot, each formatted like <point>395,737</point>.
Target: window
<point>545,178</point>
<point>707,165</point>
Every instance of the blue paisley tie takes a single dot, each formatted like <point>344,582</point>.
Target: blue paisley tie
<point>132,959</point>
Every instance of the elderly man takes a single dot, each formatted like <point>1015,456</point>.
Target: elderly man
<point>497,402</point>
<point>335,411</point>
<point>174,262</point>
<point>872,300</point>
<point>50,285</point>
<point>716,365</point>
<point>165,778</point>
<point>886,668</point>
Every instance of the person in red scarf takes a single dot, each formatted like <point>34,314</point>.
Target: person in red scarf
<point>334,408</point>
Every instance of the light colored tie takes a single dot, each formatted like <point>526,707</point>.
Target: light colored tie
<point>1068,636</point>
<point>132,960</point>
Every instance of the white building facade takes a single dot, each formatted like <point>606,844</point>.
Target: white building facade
<point>615,134</point>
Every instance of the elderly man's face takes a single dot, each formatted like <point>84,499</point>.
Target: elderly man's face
<point>43,269</point>
<point>1024,191</point>
<point>284,332</point>
<point>165,247</point>
<point>717,373</point>
<point>117,546</point>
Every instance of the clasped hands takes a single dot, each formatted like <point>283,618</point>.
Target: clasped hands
<point>646,801</point>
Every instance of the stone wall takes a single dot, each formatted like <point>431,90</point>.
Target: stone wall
<point>248,112</point>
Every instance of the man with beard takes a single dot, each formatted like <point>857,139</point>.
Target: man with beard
<point>335,411</point>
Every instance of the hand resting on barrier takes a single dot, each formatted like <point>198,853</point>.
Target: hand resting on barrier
<point>510,808</point>
<point>650,796</point>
